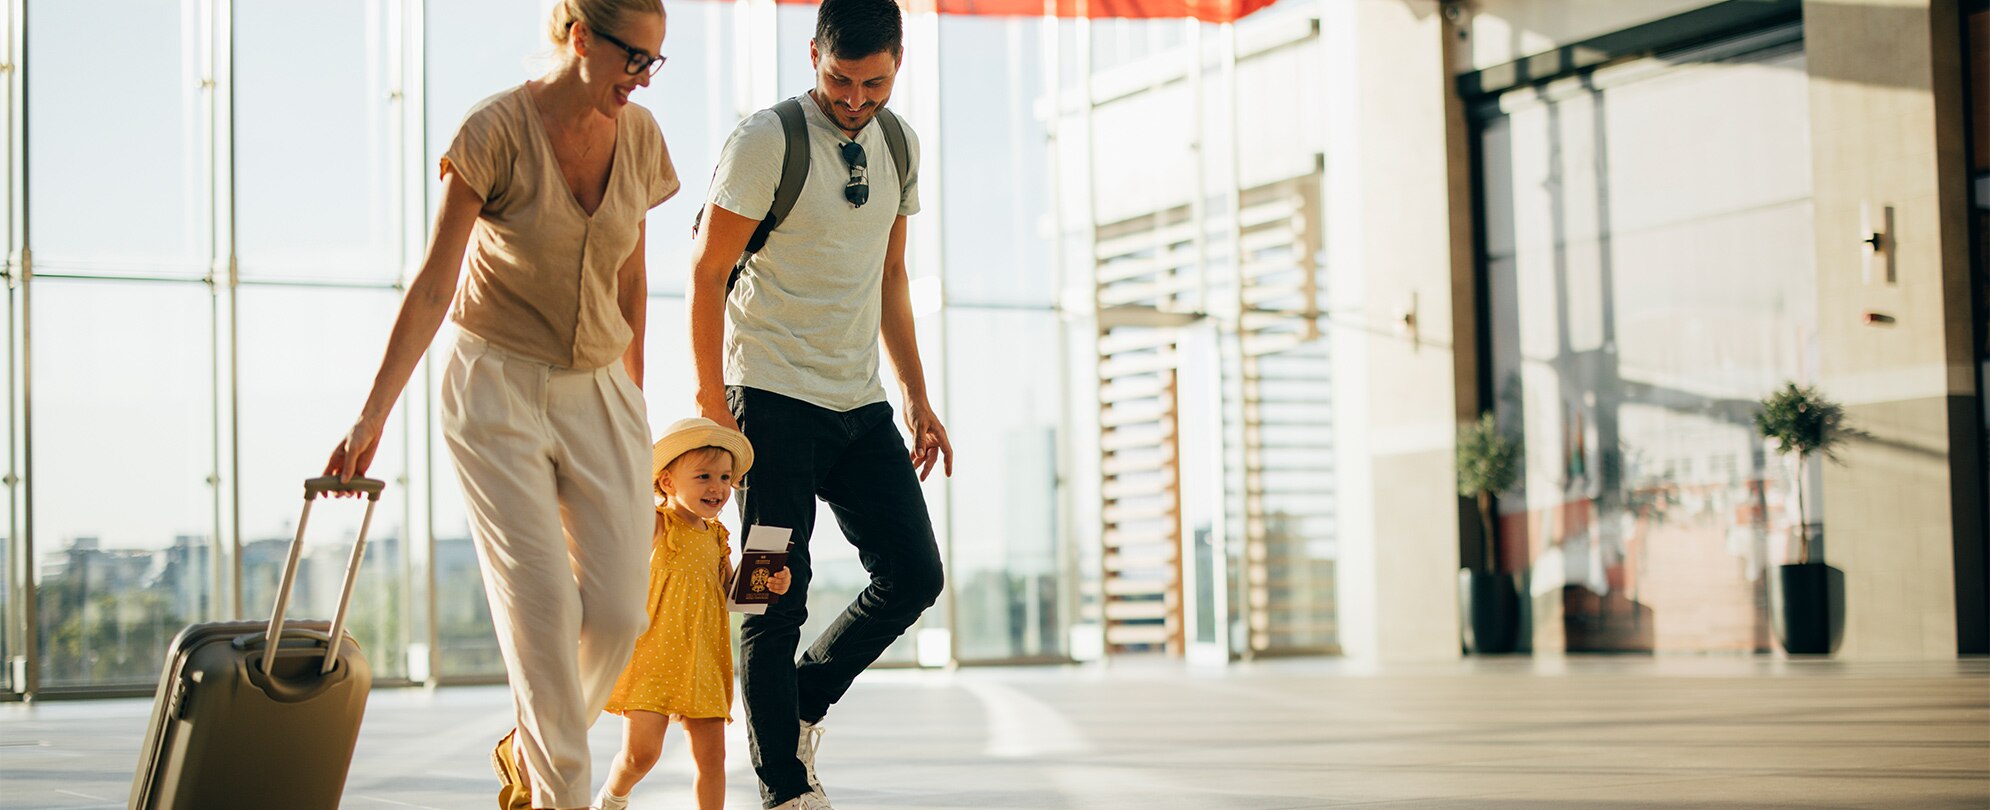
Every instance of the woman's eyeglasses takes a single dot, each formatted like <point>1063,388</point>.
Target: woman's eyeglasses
<point>858,190</point>
<point>640,60</point>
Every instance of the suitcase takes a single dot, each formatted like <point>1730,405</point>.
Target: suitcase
<point>241,723</point>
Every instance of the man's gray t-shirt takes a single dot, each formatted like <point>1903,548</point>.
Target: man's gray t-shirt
<point>803,320</point>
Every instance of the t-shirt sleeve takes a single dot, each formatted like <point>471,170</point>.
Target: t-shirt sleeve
<point>908,200</point>
<point>666,184</point>
<point>482,153</point>
<point>750,166</point>
<point>663,182</point>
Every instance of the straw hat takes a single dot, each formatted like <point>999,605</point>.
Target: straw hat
<point>685,435</point>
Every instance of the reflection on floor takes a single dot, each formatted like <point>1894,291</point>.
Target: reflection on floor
<point>1561,733</point>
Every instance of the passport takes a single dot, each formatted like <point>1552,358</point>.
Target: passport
<point>765,554</point>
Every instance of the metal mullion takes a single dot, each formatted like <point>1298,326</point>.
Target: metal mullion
<point>415,81</point>
<point>119,278</point>
<point>20,522</point>
<point>220,278</point>
<point>320,285</point>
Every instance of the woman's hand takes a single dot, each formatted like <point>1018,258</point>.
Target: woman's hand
<point>355,453</point>
<point>778,583</point>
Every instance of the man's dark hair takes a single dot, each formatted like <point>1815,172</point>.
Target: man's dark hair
<point>855,29</point>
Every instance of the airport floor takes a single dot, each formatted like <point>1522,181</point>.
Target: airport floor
<point>1610,732</point>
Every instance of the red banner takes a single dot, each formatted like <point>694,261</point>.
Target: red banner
<point>1215,11</point>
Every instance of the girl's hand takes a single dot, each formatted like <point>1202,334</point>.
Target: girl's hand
<point>779,582</point>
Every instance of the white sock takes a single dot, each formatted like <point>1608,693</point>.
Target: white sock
<point>609,801</point>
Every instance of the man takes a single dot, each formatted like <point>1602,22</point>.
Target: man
<point>800,375</point>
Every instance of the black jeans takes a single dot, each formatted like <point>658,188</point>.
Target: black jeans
<point>857,462</point>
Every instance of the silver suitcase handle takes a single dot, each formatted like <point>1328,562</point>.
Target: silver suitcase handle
<point>314,487</point>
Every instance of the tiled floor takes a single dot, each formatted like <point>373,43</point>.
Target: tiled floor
<point>1314,733</point>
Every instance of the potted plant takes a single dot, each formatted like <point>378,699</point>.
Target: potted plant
<point>1489,598</point>
<point>1807,596</point>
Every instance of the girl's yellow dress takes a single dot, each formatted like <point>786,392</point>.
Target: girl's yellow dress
<point>683,664</point>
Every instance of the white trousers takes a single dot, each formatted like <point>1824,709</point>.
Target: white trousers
<point>555,470</point>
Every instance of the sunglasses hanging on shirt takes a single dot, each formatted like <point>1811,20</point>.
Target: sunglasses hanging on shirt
<point>858,190</point>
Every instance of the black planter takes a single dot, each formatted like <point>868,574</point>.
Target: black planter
<point>1491,612</point>
<point>1807,605</point>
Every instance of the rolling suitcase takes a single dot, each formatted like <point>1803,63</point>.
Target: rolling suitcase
<point>241,723</point>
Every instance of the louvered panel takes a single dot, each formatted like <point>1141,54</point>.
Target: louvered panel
<point>1132,536</point>
<point>1129,611</point>
<point>1121,341</point>
<point>1141,441</point>
<point>1156,291</point>
<point>1137,412</point>
<point>1117,513</point>
<point>1142,241</point>
<point>1133,388</point>
<point>1134,460</point>
<point>1133,364</point>
<point>1133,587</point>
<point>1156,555</point>
<point>1125,488</point>
<point>1122,268</point>
<point>1122,636</point>
<point>1272,344</point>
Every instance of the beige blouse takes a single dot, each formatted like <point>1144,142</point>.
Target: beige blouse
<point>541,277</point>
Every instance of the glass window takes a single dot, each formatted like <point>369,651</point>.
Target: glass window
<point>1007,569</point>
<point>475,49</point>
<point>668,379</point>
<point>1291,587</point>
<point>794,30</point>
<point>1640,307</point>
<point>696,103</point>
<point>315,201</point>
<point>298,394</point>
<point>125,150</point>
<point>995,153</point>
<point>1118,42</point>
<point>124,447</point>
<point>10,588</point>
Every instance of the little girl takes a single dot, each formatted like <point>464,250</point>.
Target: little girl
<point>682,666</point>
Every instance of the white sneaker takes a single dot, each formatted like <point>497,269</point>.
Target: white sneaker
<point>811,738</point>
<point>806,801</point>
<point>605,801</point>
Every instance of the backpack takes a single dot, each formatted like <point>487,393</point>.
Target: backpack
<point>794,174</point>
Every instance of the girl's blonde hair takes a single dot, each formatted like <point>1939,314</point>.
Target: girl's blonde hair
<point>694,455</point>
<point>598,15</point>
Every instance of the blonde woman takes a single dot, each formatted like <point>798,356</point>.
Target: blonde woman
<point>546,187</point>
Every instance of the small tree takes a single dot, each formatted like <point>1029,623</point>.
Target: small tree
<point>1488,464</point>
<point>1803,422</point>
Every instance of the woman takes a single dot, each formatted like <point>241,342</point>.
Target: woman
<point>547,185</point>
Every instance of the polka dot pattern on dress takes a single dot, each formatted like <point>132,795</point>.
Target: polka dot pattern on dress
<point>682,665</point>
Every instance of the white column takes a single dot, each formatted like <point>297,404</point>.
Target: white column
<point>1390,257</point>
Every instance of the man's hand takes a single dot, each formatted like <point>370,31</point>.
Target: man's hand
<point>719,413</point>
<point>929,439</point>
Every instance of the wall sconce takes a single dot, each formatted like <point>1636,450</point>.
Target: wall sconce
<point>1876,243</point>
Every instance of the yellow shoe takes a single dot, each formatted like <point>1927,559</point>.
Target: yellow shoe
<point>515,793</point>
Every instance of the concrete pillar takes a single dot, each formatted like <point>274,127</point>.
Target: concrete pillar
<point>1392,194</point>
<point>1887,134</point>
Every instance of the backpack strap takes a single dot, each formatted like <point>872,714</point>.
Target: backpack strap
<point>794,173</point>
<point>894,140</point>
